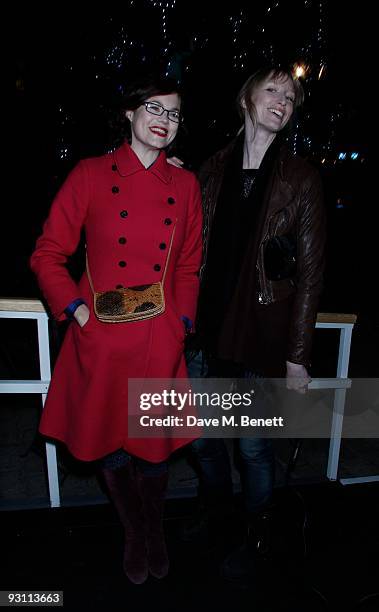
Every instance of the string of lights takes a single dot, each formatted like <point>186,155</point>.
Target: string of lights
<point>242,38</point>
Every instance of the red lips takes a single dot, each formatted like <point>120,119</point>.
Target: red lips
<point>159,131</point>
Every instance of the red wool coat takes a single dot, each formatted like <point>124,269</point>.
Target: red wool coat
<point>128,213</point>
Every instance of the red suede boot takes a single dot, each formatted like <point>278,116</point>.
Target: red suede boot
<point>124,492</point>
<point>153,490</point>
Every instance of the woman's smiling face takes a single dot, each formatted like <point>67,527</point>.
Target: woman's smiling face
<point>273,102</point>
<point>153,131</point>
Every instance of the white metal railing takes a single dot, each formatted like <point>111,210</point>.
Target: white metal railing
<point>344,322</point>
<point>34,309</point>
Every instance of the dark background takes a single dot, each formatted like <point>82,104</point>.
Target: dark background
<point>72,68</point>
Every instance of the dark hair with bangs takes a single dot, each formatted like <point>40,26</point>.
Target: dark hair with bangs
<point>147,87</point>
<point>136,93</point>
<point>274,72</point>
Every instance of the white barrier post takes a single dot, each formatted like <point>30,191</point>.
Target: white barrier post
<point>33,309</point>
<point>344,322</point>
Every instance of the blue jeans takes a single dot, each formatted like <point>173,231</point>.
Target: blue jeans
<point>255,454</point>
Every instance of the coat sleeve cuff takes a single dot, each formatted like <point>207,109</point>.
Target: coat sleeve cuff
<point>188,324</point>
<point>70,309</point>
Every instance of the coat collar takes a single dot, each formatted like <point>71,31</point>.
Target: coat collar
<point>128,163</point>
<point>217,163</point>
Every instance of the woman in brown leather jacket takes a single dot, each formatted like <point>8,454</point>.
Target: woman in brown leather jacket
<point>264,237</point>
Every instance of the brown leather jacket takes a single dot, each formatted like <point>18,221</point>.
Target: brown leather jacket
<point>294,198</point>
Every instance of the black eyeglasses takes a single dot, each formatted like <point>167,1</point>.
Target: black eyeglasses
<point>157,109</point>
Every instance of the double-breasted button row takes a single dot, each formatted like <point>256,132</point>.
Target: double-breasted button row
<point>122,240</point>
<point>122,264</point>
<point>116,188</point>
<point>167,221</point>
<point>123,213</point>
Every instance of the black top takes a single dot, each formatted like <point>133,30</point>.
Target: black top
<point>229,275</point>
<point>232,228</point>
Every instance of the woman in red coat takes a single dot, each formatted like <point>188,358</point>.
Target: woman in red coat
<point>133,206</point>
